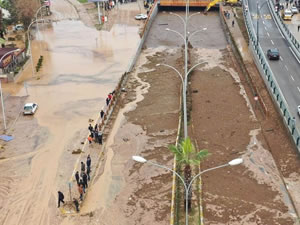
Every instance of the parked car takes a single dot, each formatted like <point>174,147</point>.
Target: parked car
<point>294,10</point>
<point>273,53</point>
<point>141,17</point>
<point>298,110</point>
<point>30,108</point>
<point>18,27</point>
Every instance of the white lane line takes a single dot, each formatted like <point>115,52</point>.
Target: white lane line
<point>281,58</point>
<point>272,42</point>
<point>264,22</point>
<point>298,89</point>
<point>265,28</point>
<point>292,78</point>
<point>294,54</point>
<point>281,33</point>
<point>286,67</point>
<point>268,34</point>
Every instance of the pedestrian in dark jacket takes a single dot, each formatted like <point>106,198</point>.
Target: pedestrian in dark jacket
<point>101,114</point>
<point>96,136</point>
<point>88,161</point>
<point>100,137</point>
<point>76,204</point>
<point>60,198</point>
<point>107,101</point>
<point>96,127</point>
<point>77,177</point>
<point>85,180</point>
<point>91,128</point>
<point>82,168</point>
<point>88,171</point>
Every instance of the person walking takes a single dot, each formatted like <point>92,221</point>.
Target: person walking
<point>101,113</point>
<point>232,23</point>
<point>77,177</point>
<point>96,136</point>
<point>80,190</point>
<point>88,171</point>
<point>96,127</point>
<point>81,183</point>
<point>88,161</point>
<point>82,168</point>
<point>76,203</point>
<point>60,198</point>
<point>100,137</point>
<point>90,128</point>
<point>107,101</point>
<point>85,180</point>
<point>298,28</point>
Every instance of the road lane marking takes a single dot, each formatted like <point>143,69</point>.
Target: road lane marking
<point>272,42</point>
<point>298,89</point>
<point>286,67</point>
<point>281,58</point>
<point>268,34</point>
<point>294,54</point>
<point>264,23</point>
<point>265,28</point>
<point>292,77</point>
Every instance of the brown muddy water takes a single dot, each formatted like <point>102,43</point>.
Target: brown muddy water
<point>81,66</point>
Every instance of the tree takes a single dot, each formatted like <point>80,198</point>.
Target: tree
<point>186,154</point>
<point>26,10</point>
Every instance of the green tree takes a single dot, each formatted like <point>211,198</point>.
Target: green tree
<point>187,155</point>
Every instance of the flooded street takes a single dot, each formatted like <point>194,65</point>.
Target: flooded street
<point>81,66</point>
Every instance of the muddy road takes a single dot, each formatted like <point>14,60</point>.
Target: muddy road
<point>81,66</point>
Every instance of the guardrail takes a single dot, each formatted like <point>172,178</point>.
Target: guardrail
<point>270,80</point>
<point>294,44</point>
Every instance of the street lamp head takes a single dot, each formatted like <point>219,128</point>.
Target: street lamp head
<point>139,159</point>
<point>167,29</point>
<point>157,64</point>
<point>235,162</point>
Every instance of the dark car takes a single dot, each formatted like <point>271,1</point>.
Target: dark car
<point>273,53</point>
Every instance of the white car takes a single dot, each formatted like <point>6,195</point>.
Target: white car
<point>30,108</point>
<point>294,10</point>
<point>141,17</point>
<point>18,27</point>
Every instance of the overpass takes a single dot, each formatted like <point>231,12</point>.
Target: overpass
<point>192,3</point>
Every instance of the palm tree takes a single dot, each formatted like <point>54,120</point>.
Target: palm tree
<point>186,154</point>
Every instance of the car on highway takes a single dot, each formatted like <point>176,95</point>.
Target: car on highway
<point>294,10</point>
<point>30,108</point>
<point>141,17</point>
<point>273,53</point>
<point>298,108</point>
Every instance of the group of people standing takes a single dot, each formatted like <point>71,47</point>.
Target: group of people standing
<point>95,134</point>
<point>83,178</point>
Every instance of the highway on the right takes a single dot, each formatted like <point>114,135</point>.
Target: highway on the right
<point>286,70</point>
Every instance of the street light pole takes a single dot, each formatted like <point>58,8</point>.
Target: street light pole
<point>187,187</point>
<point>2,102</point>
<point>185,39</point>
